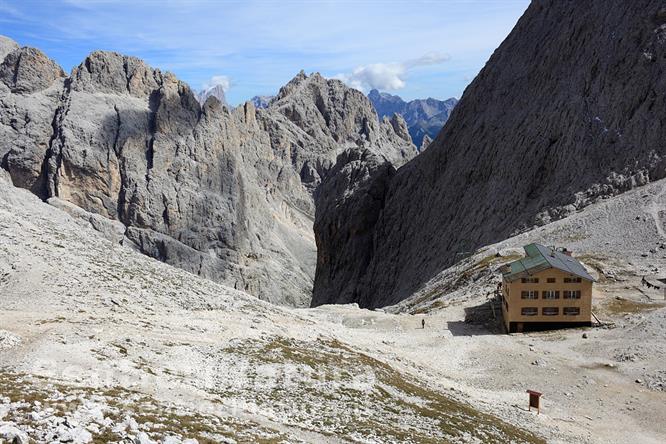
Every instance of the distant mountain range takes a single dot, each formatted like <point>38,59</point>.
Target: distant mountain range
<point>261,102</point>
<point>424,117</point>
<point>216,91</point>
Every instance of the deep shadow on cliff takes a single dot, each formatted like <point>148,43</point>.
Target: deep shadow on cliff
<point>227,194</point>
<point>568,110</point>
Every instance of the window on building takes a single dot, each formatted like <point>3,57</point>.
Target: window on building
<point>550,280</point>
<point>529,311</point>
<point>572,280</point>
<point>571,294</point>
<point>571,311</point>
<point>550,311</point>
<point>530,280</point>
<point>531,294</point>
<point>550,294</point>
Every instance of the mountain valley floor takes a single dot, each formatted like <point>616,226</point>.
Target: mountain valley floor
<point>99,343</point>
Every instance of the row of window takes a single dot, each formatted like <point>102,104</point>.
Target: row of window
<point>550,294</point>
<point>567,280</point>
<point>550,311</point>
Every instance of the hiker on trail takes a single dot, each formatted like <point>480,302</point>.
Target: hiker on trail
<point>423,324</point>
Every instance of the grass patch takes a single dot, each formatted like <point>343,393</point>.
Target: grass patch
<point>621,306</point>
<point>483,264</point>
<point>462,279</point>
<point>56,320</point>
<point>494,259</point>
<point>438,304</point>
<point>391,406</point>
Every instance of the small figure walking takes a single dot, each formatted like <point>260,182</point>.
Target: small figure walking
<point>423,324</point>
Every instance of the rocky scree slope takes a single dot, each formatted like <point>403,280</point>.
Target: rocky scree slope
<point>568,110</point>
<point>424,117</point>
<point>154,354</point>
<point>226,194</point>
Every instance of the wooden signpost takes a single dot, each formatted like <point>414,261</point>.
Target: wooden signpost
<point>535,400</point>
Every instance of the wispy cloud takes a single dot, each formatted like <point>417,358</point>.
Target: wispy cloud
<point>388,76</point>
<point>432,58</point>
<point>223,81</point>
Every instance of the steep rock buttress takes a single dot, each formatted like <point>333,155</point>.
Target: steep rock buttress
<point>569,109</point>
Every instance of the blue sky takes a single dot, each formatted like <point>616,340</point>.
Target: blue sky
<point>411,48</point>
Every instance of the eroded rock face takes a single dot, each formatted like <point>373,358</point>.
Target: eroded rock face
<point>30,90</point>
<point>134,144</point>
<point>349,202</point>
<point>424,117</point>
<point>113,73</point>
<point>339,117</point>
<point>224,194</point>
<point>425,143</point>
<point>326,119</point>
<point>28,70</point>
<point>565,112</point>
<point>7,45</point>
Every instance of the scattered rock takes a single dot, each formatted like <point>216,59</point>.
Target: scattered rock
<point>143,438</point>
<point>13,434</point>
<point>8,340</point>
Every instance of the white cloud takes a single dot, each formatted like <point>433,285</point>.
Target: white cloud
<point>223,81</point>
<point>377,75</point>
<point>388,76</point>
<point>431,58</point>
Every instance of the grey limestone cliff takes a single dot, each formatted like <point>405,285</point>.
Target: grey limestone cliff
<point>349,202</point>
<point>224,194</point>
<point>31,87</point>
<point>569,109</point>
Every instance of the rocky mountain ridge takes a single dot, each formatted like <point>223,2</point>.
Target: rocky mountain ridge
<point>261,102</point>
<point>583,125</point>
<point>226,194</point>
<point>424,117</point>
<point>216,91</point>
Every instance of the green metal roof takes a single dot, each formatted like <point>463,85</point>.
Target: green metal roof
<point>539,258</point>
